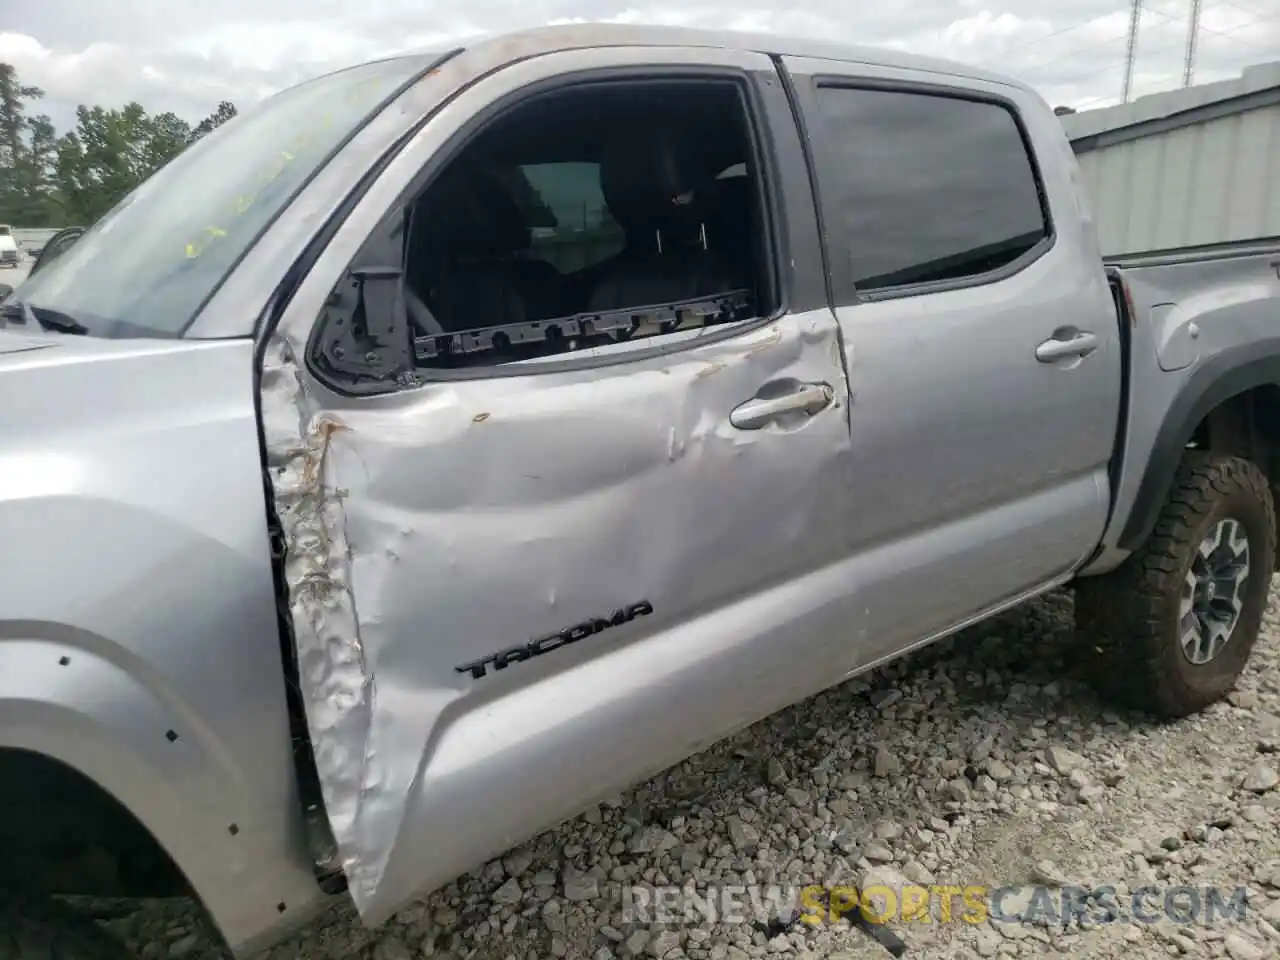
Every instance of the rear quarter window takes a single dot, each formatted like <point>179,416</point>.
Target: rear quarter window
<point>926,188</point>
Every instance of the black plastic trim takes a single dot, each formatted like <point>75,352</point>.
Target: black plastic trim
<point>619,325</point>
<point>846,291</point>
<point>811,172</point>
<point>1218,379</point>
<point>1120,297</point>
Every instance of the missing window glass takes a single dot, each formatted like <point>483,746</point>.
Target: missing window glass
<point>596,214</point>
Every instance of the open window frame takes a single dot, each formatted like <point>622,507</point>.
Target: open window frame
<point>372,285</point>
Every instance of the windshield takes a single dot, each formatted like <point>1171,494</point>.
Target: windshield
<point>150,264</point>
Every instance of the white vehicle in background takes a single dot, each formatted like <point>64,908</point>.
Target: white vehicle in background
<point>10,249</point>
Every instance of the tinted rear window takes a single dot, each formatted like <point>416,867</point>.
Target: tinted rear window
<point>927,188</point>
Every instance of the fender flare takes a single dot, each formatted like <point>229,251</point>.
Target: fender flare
<point>1219,378</point>
<point>61,697</point>
<point>71,697</point>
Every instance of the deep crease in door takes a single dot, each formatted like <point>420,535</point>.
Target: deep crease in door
<point>384,508</point>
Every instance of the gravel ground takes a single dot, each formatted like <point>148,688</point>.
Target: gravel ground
<point>982,760</point>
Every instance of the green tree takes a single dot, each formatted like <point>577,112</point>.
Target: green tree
<point>110,152</point>
<point>26,154</point>
<point>226,110</point>
<point>50,181</point>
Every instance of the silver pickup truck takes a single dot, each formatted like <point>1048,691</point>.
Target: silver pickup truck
<point>455,440</point>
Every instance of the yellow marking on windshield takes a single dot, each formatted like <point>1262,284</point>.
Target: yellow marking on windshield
<point>193,250</point>
<point>286,156</point>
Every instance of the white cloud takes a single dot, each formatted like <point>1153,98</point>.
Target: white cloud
<point>187,57</point>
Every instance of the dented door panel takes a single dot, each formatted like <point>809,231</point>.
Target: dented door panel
<point>513,596</point>
<point>680,576</point>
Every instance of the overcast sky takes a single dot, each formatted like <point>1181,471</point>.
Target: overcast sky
<point>185,56</point>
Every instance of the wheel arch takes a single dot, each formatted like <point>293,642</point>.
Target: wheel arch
<point>73,715</point>
<point>85,808</point>
<point>65,833</point>
<point>1230,405</point>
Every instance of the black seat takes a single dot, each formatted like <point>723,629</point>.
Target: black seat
<point>540,282</point>
<point>731,222</point>
<point>464,257</point>
<point>660,198</point>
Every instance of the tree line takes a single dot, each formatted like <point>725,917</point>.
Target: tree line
<point>53,180</point>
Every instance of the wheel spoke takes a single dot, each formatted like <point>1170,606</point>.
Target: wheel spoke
<point>1216,635</point>
<point>1236,540</point>
<point>1212,595</point>
<point>1189,586</point>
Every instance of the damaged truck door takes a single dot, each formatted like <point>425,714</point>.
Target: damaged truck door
<point>557,425</point>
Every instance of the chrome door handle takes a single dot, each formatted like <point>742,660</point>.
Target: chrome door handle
<point>1064,344</point>
<point>808,398</point>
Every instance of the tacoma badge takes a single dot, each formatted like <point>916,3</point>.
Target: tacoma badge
<point>553,641</point>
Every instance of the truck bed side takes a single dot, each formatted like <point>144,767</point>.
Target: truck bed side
<point>1201,328</point>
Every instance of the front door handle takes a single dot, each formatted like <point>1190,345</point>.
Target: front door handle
<point>1065,344</point>
<point>808,398</point>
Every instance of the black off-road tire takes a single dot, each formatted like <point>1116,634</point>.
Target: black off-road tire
<point>40,929</point>
<point>1128,619</point>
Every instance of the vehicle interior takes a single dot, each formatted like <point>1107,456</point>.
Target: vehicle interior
<point>601,212</point>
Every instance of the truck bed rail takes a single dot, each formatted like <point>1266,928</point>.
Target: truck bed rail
<point>1209,251</point>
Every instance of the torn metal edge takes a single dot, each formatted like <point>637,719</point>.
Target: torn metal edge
<point>337,690</point>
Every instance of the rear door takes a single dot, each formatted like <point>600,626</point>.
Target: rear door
<point>983,355</point>
<point>515,592</point>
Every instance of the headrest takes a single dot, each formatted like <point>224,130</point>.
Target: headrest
<point>471,215</point>
<point>649,179</point>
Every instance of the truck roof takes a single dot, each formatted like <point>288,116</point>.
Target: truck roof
<point>501,48</point>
